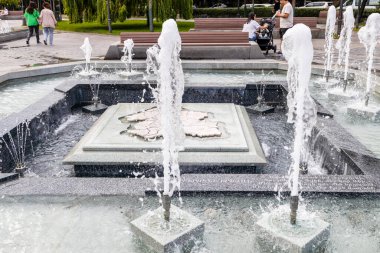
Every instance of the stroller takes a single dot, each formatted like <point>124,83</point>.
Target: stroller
<point>265,36</point>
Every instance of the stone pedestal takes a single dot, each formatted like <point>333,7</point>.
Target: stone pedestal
<point>184,230</point>
<point>323,84</point>
<point>131,75</point>
<point>369,112</point>
<point>338,94</point>
<point>95,109</point>
<point>275,234</point>
<point>260,109</point>
<point>89,74</point>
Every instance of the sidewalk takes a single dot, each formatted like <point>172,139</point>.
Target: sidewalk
<point>16,55</point>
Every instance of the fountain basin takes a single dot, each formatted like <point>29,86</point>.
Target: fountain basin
<point>184,230</point>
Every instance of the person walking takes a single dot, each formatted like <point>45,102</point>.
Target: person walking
<point>286,18</point>
<point>31,16</point>
<point>48,23</point>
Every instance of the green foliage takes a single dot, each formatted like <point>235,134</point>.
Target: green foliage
<point>9,3</point>
<point>367,12</point>
<point>127,26</point>
<point>307,12</point>
<point>122,13</point>
<point>90,10</point>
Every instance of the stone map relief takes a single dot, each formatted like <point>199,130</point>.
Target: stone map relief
<point>146,124</point>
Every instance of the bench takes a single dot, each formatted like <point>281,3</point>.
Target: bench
<point>215,38</point>
<point>237,23</point>
<point>195,45</point>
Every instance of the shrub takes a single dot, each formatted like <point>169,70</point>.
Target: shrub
<point>9,3</point>
<point>123,13</point>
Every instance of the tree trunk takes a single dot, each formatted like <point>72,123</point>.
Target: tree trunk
<point>361,11</point>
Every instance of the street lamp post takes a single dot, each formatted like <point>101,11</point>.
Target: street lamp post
<point>109,16</point>
<point>150,13</point>
<point>340,19</point>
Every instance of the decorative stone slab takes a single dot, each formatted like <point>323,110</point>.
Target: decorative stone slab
<point>5,177</point>
<point>274,234</point>
<point>98,109</point>
<point>108,137</point>
<point>184,231</point>
<point>104,145</point>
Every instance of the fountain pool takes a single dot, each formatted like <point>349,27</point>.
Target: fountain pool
<point>101,224</point>
<point>19,93</point>
<point>50,210</point>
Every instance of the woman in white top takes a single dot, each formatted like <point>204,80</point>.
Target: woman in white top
<point>251,26</point>
<point>48,22</point>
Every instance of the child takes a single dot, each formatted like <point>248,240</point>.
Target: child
<point>48,22</point>
<point>31,15</point>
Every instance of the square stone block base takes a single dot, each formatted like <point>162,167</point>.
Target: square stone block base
<point>262,109</point>
<point>180,238</point>
<point>270,238</point>
<point>369,112</point>
<point>321,83</point>
<point>98,109</point>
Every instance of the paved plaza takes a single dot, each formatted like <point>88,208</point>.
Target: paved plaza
<point>66,48</point>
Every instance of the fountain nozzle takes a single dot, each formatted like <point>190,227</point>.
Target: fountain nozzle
<point>293,209</point>
<point>166,201</point>
<point>303,168</point>
<point>327,75</point>
<point>345,85</point>
<point>366,98</point>
<point>260,101</point>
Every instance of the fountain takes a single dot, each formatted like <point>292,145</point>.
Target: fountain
<point>343,45</point>
<point>4,27</point>
<point>261,107</point>
<point>89,73</point>
<point>88,70</point>
<point>369,35</point>
<point>182,228</point>
<point>273,228</point>
<point>127,60</point>
<point>17,145</point>
<point>329,39</point>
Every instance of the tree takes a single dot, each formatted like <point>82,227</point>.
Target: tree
<point>90,10</point>
<point>9,3</point>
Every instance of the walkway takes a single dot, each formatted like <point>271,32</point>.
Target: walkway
<point>17,55</point>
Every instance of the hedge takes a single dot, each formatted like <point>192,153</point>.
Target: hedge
<point>260,12</point>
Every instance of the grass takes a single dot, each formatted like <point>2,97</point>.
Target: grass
<point>127,26</point>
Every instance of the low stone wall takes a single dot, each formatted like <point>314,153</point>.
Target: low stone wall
<point>196,52</point>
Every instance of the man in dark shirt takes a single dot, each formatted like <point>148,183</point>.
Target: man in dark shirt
<point>276,6</point>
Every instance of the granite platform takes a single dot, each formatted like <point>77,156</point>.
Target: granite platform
<point>120,154</point>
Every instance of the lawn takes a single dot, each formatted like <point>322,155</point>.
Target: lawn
<point>127,26</point>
